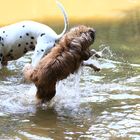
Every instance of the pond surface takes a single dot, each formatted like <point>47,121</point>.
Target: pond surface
<point>88,105</point>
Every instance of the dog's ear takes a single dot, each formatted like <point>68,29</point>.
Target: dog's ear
<point>75,43</point>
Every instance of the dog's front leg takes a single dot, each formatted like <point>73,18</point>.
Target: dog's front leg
<point>91,65</point>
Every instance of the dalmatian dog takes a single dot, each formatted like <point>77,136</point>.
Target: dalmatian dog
<point>19,38</point>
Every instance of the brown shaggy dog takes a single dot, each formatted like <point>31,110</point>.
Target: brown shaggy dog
<point>65,58</point>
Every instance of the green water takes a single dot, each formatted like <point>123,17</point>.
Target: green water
<point>87,106</point>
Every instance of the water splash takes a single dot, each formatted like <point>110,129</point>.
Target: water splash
<point>68,94</point>
<point>15,99</point>
<point>106,54</point>
<point>105,51</point>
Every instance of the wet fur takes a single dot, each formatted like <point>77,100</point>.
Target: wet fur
<point>64,59</point>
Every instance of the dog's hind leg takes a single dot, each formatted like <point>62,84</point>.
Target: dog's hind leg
<point>45,95</point>
<point>42,48</point>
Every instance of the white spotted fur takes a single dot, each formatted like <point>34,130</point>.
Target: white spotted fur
<point>17,38</point>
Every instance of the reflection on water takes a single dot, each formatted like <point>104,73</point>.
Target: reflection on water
<point>88,105</point>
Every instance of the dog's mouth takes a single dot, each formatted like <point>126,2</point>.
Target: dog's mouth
<point>92,34</point>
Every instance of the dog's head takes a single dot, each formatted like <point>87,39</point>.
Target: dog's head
<point>82,29</point>
<point>83,34</point>
<point>80,38</point>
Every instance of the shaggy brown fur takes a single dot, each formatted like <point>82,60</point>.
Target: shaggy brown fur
<point>65,58</point>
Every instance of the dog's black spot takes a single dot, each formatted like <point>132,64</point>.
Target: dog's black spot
<point>27,34</point>
<point>32,47</point>
<point>11,50</point>
<point>42,34</point>
<point>19,45</point>
<point>32,43</point>
<point>1,55</point>
<point>25,50</point>
<point>23,26</point>
<point>20,36</point>
<point>1,39</point>
<point>3,31</point>
<point>27,43</point>
<point>42,50</point>
<point>2,44</point>
<point>32,37</point>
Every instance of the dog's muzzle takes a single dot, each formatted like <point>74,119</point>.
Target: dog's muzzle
<point>92,33</point>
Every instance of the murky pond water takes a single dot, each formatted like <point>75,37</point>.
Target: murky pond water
<point>88,105</point>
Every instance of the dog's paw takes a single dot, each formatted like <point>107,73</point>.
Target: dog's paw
<point>96,54</point>
<point>96,69</point>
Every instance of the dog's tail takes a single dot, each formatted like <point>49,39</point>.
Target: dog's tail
<point>66,22</point>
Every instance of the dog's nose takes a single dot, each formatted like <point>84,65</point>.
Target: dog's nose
<point>92,33</point>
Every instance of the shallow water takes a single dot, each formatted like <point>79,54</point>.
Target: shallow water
<point>88,105</point>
